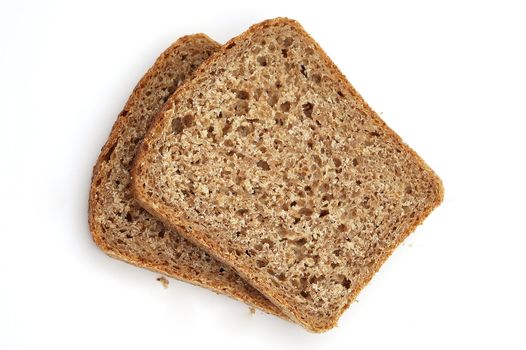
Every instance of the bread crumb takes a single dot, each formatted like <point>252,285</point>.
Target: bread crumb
<point>252,310</point>
<point>164,281</point>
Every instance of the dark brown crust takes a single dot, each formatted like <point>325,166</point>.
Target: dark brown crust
<point>162,212</point>
<point>119,125</point>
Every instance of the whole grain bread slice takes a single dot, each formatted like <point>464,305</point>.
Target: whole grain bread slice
<point>270,160</point>
<point>119,226</point>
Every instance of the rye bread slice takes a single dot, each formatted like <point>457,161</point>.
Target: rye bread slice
<point>119,226</point>
<point>270,160</point>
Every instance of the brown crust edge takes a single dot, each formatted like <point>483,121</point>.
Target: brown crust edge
<point>118,126</point>
<point>161,211</point>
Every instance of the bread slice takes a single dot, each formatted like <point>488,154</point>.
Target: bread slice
<point>118,225</point>
<point>272,161</point>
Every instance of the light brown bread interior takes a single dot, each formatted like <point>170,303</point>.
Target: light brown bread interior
<point>118,224</point>
<point>273,162</point>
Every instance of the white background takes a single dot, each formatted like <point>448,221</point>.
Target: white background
<point>449,77</point>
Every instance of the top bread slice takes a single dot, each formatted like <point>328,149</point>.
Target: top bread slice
<point>118,224</point>
<point>272,161</point>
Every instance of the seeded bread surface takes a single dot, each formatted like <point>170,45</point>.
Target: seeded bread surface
<point>270,160</point>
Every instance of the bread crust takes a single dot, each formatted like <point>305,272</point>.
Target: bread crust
<point>165,213</point>
<point>252,298</point>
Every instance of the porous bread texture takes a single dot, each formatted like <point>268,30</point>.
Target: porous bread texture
<point>270,160</point>
<point>118,224</point>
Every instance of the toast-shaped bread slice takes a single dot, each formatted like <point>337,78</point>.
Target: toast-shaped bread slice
<point>270,160</point>
<point>119,226</point>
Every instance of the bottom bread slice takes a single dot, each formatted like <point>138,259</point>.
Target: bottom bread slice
<point>119,226</point>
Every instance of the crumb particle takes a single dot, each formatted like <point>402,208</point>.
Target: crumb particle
<point>252,310</point>
<point>164,281</point>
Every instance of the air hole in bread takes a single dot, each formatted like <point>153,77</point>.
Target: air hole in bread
<point>303,70</point>
<point>285,107</point>
<point>227,127</point>
<point>210,132</point>
<point>300,242</point>
<point>241,212</point>
<point>188,120</point>
<point>324,213</point>
<point>262,263</point>
<point>263,165</point>
<point>243,95</point>
<point>262,60</point>
<point>316,78</point>
<point>345,282</point>
<point>307,109</point>
<point>288,41</point>
<point>177,126</point>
